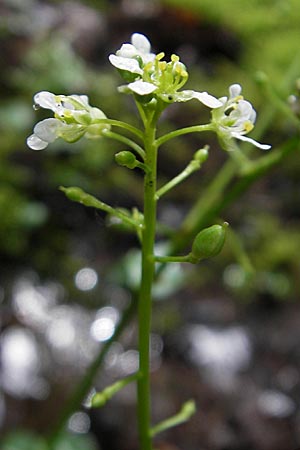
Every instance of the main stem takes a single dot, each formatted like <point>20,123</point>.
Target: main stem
<point>145,299</point>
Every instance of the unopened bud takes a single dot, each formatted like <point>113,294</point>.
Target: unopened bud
<point>126,159</point>
<point>202,154</point>
<point>209,242</point>
<point>98,400</point>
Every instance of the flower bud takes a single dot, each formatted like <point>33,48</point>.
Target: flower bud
<point>99,400</point>
<point>73,193</point>
<point>209,242</point>
<point>202,154</point>
<point>126,159</point>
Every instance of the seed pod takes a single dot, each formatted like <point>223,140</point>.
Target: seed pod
<point>126,159</point>
<point>209,242</point>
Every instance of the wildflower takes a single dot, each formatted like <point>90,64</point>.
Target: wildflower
<point>132,57</point>
<point>149,75</point>
<point>235,117</point>
<point>73,119</point>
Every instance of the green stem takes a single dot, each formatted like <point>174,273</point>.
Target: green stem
<point>215,198</point>
<point>181,131</point>
<point>190,168</point>
<point>145,299</point>
<point>206,207</point>
<point>124,125</point>
<point>101,398</point>
<point>186,412</point>
<point>167,259</point>
<point>76,194</point>
<point>125,140</point>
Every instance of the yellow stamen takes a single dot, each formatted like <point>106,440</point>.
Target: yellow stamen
<point>248,126</point>
<point>162,65</point>
<point>148,66</point>
<point>159,56</point>
<point>174,58</point>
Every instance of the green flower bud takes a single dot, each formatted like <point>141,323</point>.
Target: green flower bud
<point>209,242</point>
<point>99,400</point>
<point>73,193</point>
<point>202,154</point>
<point>126,159</point>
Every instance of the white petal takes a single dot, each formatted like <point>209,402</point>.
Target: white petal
<point>127,51</point>
<point>223,100</point>
<point>252,116</point>
<point>235,90</point>
<point>142,87</point>
<point>46,100</point>
<point>244,109</point>
<point>35,143</point>
<point>47,129</point>
<point>208,100</point>
<point>203,97</point>
<point>96,113</point>
<point>252,141</point>
<point>82,100</point>
<point>141,43</point>
<point>66,105</point>
<point>131,65</point>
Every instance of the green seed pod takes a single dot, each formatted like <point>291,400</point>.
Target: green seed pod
<point>209,242</point>
<point>126,159</point>
<point>202,154</point>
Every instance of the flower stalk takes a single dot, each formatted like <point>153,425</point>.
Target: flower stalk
<point>145,297</point>
<point>154,83</point>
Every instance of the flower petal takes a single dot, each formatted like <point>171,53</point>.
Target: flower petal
<point>235,90</point>
<point>127,51</point>
<point>35,143</point>
<point>252,141</point>
<point>131,65</point>
<point>141,43</point>
<point>47,129</point>
<point>45,100</point>
<point>142,87</point>
<point>203,97</point>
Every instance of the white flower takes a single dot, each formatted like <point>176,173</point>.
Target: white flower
<point>132,57</point>
<point>148,74</point>
<point>235,117</point>
<point>73,118</point>
<point>44,133</point>
<point>203,97</point>
<point>141,87</point>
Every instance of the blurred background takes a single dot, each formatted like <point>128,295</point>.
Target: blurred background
<point>223,333</point>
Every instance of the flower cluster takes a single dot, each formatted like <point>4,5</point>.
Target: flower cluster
<point>148,74</point>
<point>235,117</point>
<point>149,77</point>
<point>73,119</point>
